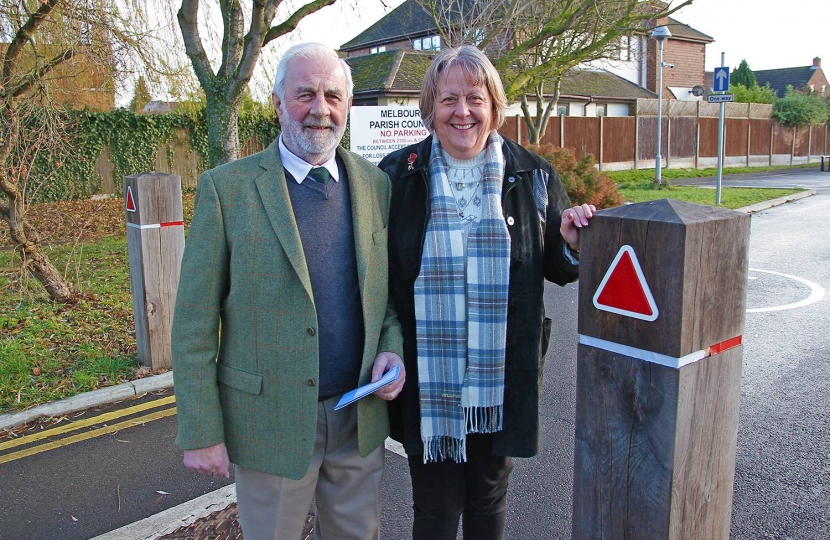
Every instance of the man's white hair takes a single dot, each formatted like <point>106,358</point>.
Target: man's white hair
<point>308,51</point>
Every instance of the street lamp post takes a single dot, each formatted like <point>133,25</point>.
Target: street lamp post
<point>660,33</point>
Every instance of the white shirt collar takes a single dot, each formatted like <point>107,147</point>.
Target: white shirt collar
<point>299,168</point>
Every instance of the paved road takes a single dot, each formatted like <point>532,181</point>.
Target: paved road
<point>100,481</point>
<point>782,488</point>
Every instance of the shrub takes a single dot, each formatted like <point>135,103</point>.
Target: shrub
<point>583,182</point>
<point>753,94</point>
<point>798,109</point>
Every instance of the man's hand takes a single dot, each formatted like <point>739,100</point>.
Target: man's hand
<point>211,461</point>
<point>383,363</point>
<point>574,219</point>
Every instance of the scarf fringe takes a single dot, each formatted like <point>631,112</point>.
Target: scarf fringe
<point>483,419</point>
<point>440,448</point>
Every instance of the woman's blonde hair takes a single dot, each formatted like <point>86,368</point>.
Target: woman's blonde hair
<point>479,70</point>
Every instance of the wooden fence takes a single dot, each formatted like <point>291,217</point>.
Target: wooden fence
<point>690,140</point>
<point>177,157</point>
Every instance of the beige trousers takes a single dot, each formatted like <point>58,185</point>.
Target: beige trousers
<point>346,488</point>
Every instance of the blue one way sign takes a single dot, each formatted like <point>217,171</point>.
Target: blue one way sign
<point>721,82</point>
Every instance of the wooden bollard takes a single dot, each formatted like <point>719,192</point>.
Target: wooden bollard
<point>155,240</point>
<point>662,302</point>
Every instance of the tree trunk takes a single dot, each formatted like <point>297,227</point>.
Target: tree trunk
<point>34,259</point>
<point>532,129</point>
<point>223,130</point>
<point>39,265</point>
<point>554,101</point>
<point>12,210</point>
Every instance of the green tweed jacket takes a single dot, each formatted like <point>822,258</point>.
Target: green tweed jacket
<point>245,345</point>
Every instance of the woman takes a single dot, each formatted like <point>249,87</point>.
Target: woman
<point>469,250</point>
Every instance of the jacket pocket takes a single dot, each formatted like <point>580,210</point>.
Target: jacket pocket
<point>238,379</point>
<point>380,237</point>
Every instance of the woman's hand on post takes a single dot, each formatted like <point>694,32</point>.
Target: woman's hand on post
<point>383,363</point>
<point>573,219</point>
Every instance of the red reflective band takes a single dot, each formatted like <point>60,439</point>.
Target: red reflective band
<point>173,224</point>
<point>725,345</point>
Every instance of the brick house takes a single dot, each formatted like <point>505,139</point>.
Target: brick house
<point>605,88</point>
<point>806,79</point>
<point>686,50</point>
<point>393,77</point>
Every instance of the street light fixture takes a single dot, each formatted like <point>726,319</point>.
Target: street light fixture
<point>660,33</point>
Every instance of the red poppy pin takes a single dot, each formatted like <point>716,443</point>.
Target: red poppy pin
<point>411,160</point>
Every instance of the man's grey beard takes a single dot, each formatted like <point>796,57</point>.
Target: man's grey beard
<point>314,143</point>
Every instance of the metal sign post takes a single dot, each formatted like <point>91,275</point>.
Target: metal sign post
<point>721,84</point>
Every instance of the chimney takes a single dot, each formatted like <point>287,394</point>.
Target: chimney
<point>816,63</point>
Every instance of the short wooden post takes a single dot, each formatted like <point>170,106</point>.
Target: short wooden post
<point>662,300</point>
<point>155,240</point>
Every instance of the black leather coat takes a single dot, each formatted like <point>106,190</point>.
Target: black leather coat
<point>536,253</point>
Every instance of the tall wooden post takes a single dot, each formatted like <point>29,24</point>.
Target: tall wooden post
<point>155,240</point>
<point>662,301</point>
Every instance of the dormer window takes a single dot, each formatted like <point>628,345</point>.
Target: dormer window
<point>429,43</point>
<point>375,50</point>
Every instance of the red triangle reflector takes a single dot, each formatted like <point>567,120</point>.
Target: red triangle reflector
<point>129,200</point>
<point>624,290</point>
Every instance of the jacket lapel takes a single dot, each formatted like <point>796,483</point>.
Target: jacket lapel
<point>275,199</point>
<point>362,202</point>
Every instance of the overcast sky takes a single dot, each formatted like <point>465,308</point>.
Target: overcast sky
<point>767,34</point>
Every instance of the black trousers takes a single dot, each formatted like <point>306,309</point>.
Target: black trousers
<point>444,491</point>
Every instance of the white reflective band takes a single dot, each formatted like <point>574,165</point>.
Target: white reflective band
<point>156,225</point>
<point>642,354</point>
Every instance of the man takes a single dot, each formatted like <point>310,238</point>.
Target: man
<point>283,307</point>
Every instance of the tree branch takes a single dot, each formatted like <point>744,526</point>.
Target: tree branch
<point>25,83</point>
<point>25,34</point>
<point>290,24</point>
<point>233,22</point>
<point>188,22</point>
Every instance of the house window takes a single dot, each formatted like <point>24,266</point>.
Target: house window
<point>812,88</point>
<point>562,110</point>
<point>375,50</point>
<point>600,110</point>
<point>429,43</point>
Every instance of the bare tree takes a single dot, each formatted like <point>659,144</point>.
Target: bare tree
<point>224,86</point>
<point>53,49</point>
<point>533,43</point>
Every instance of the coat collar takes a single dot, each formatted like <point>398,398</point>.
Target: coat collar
<point>273,193</point>
<point>516,159</point>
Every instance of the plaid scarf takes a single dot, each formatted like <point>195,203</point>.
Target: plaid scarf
<point>461,313</point>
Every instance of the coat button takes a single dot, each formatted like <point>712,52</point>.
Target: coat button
<point>511,179</point>
<point>310,382</point>
<point>510,220</point>
<point>310,331</point>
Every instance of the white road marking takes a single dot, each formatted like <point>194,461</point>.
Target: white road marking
<point>816,293</point>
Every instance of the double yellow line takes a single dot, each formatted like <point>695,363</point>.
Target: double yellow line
<point>74,426</point>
